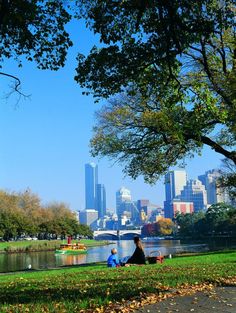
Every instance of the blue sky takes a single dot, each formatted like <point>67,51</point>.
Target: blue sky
<point>45,139</point>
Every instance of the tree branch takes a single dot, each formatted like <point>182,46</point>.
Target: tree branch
<point>219,149</point>
<point>17,84</point>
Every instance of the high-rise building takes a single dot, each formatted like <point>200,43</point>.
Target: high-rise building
<point>101,200</point>
<point>122,195</point>
<point>125,207</point>
<point>142,204</point>
<point>195,192</point>
<point>174,184</point>
<point>88,217</point>
<point>91,181</point>
<point>214,193</point>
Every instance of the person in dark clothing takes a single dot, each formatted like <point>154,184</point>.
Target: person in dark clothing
<point>138,256</point>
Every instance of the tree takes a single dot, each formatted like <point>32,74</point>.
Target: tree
<point>191,224</point>
<point>174,65</point>
<point>165,226</point>
<point>228,179</point>
<point>148,230</point>
<point>218,217</point>
<point>36,30</point>
<point>22,214</point>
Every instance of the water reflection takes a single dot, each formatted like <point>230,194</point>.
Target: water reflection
<point>39,260</point>
<point>62,260</point>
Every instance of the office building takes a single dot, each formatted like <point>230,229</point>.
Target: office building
<point>214,193</point>
<point>122,195</point>
<point>174,184</point>
<point>195,192</point>
<point>101,200</point>
<point>142,204</point>
<point>91,181</point>
<point>88,217</point>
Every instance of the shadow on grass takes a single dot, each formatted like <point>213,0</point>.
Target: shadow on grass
<point>75,294</point>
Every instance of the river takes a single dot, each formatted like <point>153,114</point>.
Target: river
<point>48,259</point>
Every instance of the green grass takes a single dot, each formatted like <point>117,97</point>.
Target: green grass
<point>40,245</point>
<point>74,289</point>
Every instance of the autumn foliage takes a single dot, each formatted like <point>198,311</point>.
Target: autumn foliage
<point>163,227</point>
<point>22,214</point>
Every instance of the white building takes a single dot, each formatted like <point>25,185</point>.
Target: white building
<point>88,217</point>
<point>122,195</point>
<point>214,193</point>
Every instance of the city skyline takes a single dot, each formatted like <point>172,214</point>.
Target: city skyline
<point>186,195</point>
<point>45,137</point>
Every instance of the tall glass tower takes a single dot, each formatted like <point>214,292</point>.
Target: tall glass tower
<point>195,192</point>
<point>101,200</point>
<point>91,181</point>
<point>174,184</point>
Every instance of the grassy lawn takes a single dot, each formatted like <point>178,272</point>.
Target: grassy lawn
<point>25,246</point>
<point>91,287</point>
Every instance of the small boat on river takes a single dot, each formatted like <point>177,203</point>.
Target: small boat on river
<point>71,248</point>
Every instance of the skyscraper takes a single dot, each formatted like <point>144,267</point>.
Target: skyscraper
<point>214,193</point>
<point>125,207</point>
<point>195,192</point>
<point>91,181</point>
<point>174,183</point>
<point>101,200</point>
<point>89,217</point>
<point>122,195</point>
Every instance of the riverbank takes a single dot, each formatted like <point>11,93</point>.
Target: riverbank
<point>97,288</point>
<point>43,245</point>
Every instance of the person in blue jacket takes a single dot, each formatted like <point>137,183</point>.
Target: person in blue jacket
<point>113,261</point>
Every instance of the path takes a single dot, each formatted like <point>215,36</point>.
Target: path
<point>217,300</point>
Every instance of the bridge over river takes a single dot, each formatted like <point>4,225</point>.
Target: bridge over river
<point>117,233</point>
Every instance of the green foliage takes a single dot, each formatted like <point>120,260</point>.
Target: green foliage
<point>174,65</point>
<point>219,219</point>
<point>228,179</point>
<point>36,30</point>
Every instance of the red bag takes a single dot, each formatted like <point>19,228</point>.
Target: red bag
<point>155,257</point>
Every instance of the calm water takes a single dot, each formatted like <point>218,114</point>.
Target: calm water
<point>40,260</point>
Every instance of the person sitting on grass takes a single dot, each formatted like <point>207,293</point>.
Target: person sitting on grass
<point>138,256</point>
<point>113,261</point>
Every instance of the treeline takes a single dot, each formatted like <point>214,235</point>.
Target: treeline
<point>218,220</point>
<point>22,214</point>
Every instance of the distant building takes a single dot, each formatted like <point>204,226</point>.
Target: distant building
<point>122,195</point>
<point>174,184</point>
<point>126,209</point>
<point>214,193</point>
<point>129,209</point>
<point>142,216</point>
<point>142,203</point>
<point>91,181</point>
<point>182,207</point>
<point>155,214</point>
<point>101,200</point>
<point>88,217</point>
<point>112,223</point>
<point>195,192</point>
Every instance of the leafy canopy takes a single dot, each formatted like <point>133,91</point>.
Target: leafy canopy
<point>171,69</point>
<point>35,29</point>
